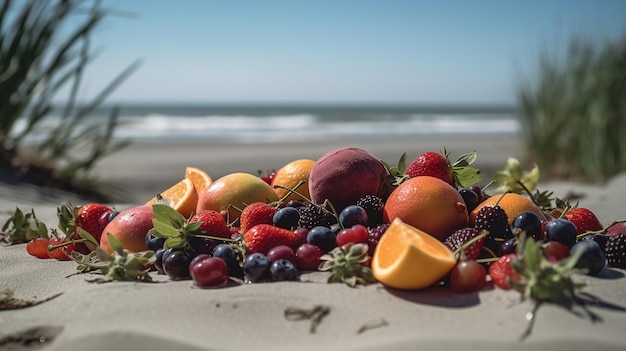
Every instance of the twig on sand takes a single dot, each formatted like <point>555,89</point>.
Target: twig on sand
<point>314,314</point>
<point>8,302</point>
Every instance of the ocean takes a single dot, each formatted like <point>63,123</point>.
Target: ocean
<point>249,123</point>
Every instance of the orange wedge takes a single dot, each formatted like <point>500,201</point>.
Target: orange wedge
<point>408,258</point>
<point>183,197</point>
<point>200,179</point>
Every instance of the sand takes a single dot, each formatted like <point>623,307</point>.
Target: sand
<point>174,315</point>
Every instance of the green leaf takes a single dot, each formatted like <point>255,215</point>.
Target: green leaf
<point>467,176</point>
<point>174,242</point>
<point>115,244</point>
<point>168,215</point>
<point>87,236</point>
<point>466,159</point>
<point>402,164</point>
<point>164,230</point>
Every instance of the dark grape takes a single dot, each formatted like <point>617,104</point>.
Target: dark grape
<point>226,253</point>
<point>203,245</point>
<point>530,223</point>
<point>256,267</point>
<point>470,198</point>
<point>351,215</point>
<point>176,265</point>
<point>286,217</point>
<point>592,259</point>
<point>561,230</point>
<point>282,269</point>
<point>507,247</point>
<point>158,264</point>
<point>322,237</point>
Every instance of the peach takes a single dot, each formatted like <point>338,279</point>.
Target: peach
<point>342,176</point>
<point>130,227</point>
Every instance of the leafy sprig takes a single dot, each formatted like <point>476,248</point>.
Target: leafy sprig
<point>119,265</point>
<point>23,227</point>
<point>347,264</point>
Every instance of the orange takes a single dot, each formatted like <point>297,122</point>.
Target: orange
<point>183,197</point>
<point>200,179</point>
<point>513,204</point>
<point>232,192</point>
<point>289,176</point>
<point>429,204</point>
<point>408,258</point>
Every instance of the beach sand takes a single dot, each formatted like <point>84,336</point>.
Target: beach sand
<point>173,315</point>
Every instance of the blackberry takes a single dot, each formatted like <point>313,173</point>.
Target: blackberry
<point>494,220</point>
<point>312,215</point>
<point>373,205</point>
<point>460,237</point>
<point>375,234</point>
<point>615,251</point>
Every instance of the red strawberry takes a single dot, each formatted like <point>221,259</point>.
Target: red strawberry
<point>460,237</point>
<point>583,219</point>
<point>431,164</point>
<point>502,273</point>
<point>213,223</point>
<point>93,217</point>
<point>263,237</point>
<point>256,213</point>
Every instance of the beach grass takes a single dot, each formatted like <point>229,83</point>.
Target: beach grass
<point>574,115</point>
<point>45,49</point>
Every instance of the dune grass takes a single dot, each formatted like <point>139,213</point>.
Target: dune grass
<point>45,49</point>
<point>574,114</point>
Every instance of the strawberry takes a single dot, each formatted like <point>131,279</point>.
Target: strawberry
<point>263,237</point>
<point>584,220</point>
<point>502,272</point>
<point>438,165</point>
<point>460,237</point>
<point>91,217</point>
<point>213,223</point>
<point>256,213</point>
<point>431,164</point>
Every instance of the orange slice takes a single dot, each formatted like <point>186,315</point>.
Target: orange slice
<point>200,179</point>
<point>408,258</point>
<point>183,197</point>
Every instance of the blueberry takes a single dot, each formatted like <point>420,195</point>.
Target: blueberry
<point>154,243</point>
<point>226,253</point>
<point>530,223</point>
<point>322,237</point>
<point>286,217</point>
<point>202,245</point>
<point>113,214</point>
<point>282,269</point>
<point>561,230</point>
<point>158,264</point>
<point>592,259</point>
<point>351,215</point>
<point>256,267</point>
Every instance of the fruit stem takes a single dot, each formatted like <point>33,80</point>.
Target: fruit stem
<point>601,231</point>
<point>291,191</point>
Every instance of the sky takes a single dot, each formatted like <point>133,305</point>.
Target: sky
<point>339,51</point>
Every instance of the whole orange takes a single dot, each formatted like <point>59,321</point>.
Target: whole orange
<point>429,204</point>
<point>289,175</point>
<point>512,204</point>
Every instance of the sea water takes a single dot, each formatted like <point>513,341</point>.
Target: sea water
<point>293,123</point>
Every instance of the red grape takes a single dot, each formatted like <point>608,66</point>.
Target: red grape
<point>468,276</point>
<point>210,272</point>
<point>308,257</point>
<point>357,234</point>
<point>281,251</point>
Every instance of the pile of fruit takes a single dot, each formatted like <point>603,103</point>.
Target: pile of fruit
<point>408,226</point>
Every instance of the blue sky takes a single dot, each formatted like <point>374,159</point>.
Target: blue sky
<point>342,51</point>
